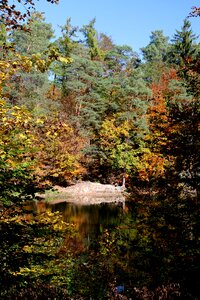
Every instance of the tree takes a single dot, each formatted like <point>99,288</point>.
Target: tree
<point>119,58</point>
<point>105,43</point>
<point>59,70</point>
<point>183,141</point>
<point>121,144</point>
<point>13,17</point>
<point>59,151</point>
<point>155,162</point>
<point>157,48</point>
<point>17,153</point>
<point>183,48</point>
<point>155,56</point>
<point>90,35</point>
<point>31,89</point>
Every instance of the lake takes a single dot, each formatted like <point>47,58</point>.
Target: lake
<point>145,248</point>
<point>152,244</point>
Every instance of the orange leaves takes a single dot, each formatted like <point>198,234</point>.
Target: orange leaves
<point>156,161</point>
<point>59,150</point>
<point>153,166</point>
<point>158,112</point>
<point>34,150</point>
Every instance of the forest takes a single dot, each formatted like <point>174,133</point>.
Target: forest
<point>79,107</point>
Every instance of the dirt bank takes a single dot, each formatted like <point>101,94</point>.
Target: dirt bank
<point>86,193</point>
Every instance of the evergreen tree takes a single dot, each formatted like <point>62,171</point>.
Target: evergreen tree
<point>79,82</point>
<point>183,48</point>
<point>30,89</point>
<point>157,48</point>
<point>155,56</point>
<point>90,35</point>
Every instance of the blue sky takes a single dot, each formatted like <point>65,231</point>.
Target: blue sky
<point>128,22</point>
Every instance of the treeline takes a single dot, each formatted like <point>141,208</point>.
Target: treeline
<point>83,107</point>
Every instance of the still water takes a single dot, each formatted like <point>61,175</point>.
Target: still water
<point>144,248</point>
<point>149,248</point>
<point>91,220</point>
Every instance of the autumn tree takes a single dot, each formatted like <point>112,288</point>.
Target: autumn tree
<point>17,152</point>
<point>155,162</point>
<point>13,15</point>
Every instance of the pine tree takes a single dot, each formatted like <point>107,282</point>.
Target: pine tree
<point>31,88</point>
<point>155,56</point>
<point>91,41</point>
<point>183,48</point>
<point>157,48</point>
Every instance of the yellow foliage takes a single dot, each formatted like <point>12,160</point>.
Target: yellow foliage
<point>65,60</point>
<point>152,166</point>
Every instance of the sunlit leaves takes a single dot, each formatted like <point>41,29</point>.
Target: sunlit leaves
<point>35,149</point>
<point>16,148</point>
<point>59,150</point>
<point>117,144</point>
<point>152,166</point>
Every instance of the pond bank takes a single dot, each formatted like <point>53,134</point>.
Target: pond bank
<point>85,192</point>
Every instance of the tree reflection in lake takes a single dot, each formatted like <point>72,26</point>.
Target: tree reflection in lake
<point>91,220</point>
<point>149,249</point>
<point>150,243</point>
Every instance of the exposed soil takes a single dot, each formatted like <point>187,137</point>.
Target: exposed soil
<point>86,192</point>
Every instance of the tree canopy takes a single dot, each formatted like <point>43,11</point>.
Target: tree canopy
<point>81,107</point>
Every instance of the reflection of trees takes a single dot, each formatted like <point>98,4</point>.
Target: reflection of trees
<point>152,249</point>
<point>32,265</point>
<point>90,220</point>
<point>158,244</point>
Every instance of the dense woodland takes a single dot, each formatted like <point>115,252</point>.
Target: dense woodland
<point>80,107</point>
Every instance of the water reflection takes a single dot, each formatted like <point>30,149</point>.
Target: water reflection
<point>90,220</point>
<point>150,246</point>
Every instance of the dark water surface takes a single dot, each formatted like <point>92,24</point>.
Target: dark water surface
<point>91,220</point>
<point>146,248</point>
<point>151,245</point>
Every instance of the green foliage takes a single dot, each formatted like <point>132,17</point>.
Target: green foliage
<point>90,35</point>
<point>183,48</point>
<point>157,49</point>
<point>30,88</point>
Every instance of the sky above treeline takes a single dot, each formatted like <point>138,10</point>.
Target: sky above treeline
<point>127,22</point>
